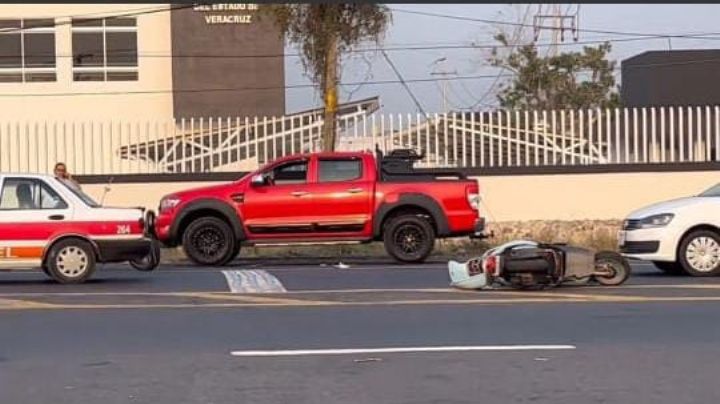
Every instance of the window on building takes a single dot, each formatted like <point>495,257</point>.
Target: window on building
<point>27,50</point>
<point>105,49</point>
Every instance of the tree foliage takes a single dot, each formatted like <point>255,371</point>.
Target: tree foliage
<point>569,80</point>
<point>324,32</point>
<point>313,26</point>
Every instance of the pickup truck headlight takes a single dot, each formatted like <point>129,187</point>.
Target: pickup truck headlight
<point>168,203</point>
<point>656,221</point>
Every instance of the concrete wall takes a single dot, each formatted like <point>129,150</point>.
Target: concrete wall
<point>155,73</point>
<point>510,198</point>
<point>586,196</point>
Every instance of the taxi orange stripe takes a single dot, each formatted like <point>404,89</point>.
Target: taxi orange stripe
<point>20,252</point>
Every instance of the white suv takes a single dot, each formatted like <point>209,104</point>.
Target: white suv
<point>678,236</point>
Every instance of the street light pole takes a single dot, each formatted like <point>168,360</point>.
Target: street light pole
<point>444,83</point>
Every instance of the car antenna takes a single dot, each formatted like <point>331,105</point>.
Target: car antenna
<point>106,190</point>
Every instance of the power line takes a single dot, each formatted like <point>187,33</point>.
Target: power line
<point>596,31</point>
<point>148,10</point>
<point>290,86</point>
<point>101,14</point>
<point>516,37</point>
<point>635,37</point>
<point>402,81</point>
<point>376,82</point>
<point>104,16</point>
<point>367,50</point>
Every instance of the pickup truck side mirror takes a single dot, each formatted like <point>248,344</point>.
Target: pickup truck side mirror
<point>258,180</point>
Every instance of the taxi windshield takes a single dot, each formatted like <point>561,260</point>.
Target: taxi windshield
<point>79,193</point>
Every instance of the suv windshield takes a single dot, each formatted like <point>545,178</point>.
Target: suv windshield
<point>79,193</point>
<point>712,191</point>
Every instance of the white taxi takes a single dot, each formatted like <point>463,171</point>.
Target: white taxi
<point>49,223</point>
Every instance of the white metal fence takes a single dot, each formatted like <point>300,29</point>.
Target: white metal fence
<point>488,139</point>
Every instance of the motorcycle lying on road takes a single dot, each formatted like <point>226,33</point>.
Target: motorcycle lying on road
<point>528,264</point>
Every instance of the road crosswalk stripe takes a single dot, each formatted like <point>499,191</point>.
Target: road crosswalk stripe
<point>253,281</point>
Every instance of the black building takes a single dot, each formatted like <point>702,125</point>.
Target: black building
<point>671,78</point>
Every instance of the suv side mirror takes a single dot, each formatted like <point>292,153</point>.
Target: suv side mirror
<point>258,180</point>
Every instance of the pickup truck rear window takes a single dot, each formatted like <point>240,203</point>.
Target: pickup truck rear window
<point>339,170</point>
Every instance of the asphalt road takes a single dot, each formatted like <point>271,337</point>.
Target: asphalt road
<point>169,336</point>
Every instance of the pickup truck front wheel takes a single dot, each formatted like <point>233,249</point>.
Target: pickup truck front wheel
<point>409,238</point>
<point>209,241</point>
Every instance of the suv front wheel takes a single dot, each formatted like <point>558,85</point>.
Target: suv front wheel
<point>209,241</point>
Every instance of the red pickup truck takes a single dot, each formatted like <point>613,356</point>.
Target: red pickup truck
<point>324,197</point>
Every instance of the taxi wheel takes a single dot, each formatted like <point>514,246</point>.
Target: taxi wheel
<point>71,261</point>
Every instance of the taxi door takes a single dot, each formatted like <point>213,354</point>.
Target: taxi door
<point>31,214</point>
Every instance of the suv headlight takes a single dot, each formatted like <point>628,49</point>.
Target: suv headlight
<point>656,221</point>
<point>168,203</point>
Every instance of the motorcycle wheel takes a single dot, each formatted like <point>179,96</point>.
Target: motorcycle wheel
<point>616,262</point>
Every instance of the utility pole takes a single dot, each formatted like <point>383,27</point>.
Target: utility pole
<point>558,22</point>
<point>443,83</point>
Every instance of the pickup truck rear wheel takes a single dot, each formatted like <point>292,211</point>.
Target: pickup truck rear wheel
<point>409,238</point>
<point>209,241</point>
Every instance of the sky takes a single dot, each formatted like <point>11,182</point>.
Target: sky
<point>417,30</point>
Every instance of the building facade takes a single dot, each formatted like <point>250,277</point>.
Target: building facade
<point>128,62</point>
<point>671,78</point>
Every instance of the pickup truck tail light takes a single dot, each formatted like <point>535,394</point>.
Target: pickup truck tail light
<point>473,196</point>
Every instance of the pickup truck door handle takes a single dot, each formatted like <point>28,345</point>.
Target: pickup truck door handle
<point>56,217</point>
<point>298,193</point>
<point>355,190</point>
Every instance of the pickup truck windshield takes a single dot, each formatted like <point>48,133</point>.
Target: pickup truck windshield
<point>712,191</point>
<point>80,194</point>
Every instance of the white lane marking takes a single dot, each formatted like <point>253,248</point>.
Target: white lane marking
<point>353,351</point>
<point>253,281</point>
